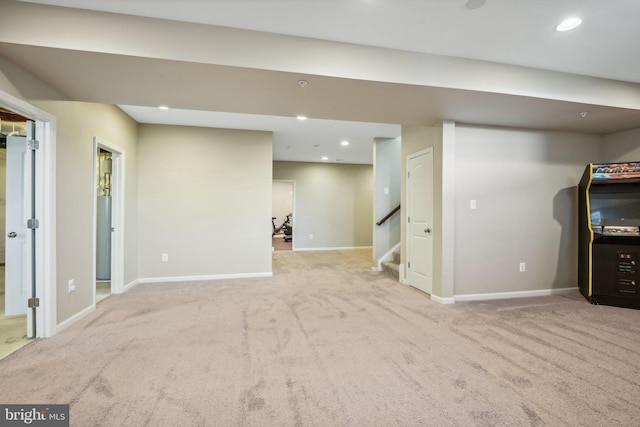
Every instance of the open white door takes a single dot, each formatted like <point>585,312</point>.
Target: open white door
<point>18,236</point>
<point>420,220</point>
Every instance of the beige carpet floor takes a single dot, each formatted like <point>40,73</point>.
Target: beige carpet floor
<point>328,342</point>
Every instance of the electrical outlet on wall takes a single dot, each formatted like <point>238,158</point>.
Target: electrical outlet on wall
<point>72,285</point>
<point>165,257</point>
<point>523,267</point>
<point>310,236</point>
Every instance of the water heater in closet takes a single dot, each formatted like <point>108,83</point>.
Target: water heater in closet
<point>103,237</point>
<point>103,217</point>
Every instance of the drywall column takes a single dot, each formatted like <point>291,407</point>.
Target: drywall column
<point>448,213</point>
<point>204,201</point>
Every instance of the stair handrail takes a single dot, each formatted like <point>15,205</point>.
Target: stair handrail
<point>387,216</point>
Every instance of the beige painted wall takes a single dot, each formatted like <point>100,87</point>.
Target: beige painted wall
<point>205,200</point>
<point>622,147</point>
<point>334,203</point>
<point>525,187</point>
<point>77,124</point>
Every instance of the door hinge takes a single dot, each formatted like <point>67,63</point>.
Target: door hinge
<point>408,174</point>
<point>33,302</point>
<point>32,224</point>
<point>408,219</point>
<point>409,264</point>
<point>33,144</point>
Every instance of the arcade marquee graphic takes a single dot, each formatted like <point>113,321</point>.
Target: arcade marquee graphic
<point>608,171</point>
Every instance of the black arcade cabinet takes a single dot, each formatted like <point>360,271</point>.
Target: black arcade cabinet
<point>609,234</point>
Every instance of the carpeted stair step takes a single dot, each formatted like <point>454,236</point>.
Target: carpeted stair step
<point>393,267</point>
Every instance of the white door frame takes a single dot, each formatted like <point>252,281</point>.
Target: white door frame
<point>117,213</point>
<point>45,184</point>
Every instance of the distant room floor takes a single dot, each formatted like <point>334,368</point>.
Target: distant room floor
<point>279,244</point>
<point>13,329</point>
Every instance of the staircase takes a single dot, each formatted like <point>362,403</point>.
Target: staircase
<point>393,267</point>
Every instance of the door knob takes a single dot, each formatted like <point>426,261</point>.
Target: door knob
<point>12,234</point>
<point>427,230</point>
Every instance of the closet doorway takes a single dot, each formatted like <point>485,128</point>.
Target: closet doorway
<point>108,219</point>
<point>14,200</point>
<point>41,313</point>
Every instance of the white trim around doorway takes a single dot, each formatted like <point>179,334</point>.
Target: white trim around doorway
<point>46,313</point>
<point>117,212</point>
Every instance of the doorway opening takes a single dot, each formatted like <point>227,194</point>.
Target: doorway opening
<point>108,219</point>
<point>14,277</point>
<point>282,201</point>
<point>41,130</point>
<point>103,225</point>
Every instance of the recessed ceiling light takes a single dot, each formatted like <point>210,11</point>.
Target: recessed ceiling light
<point>344,143</point>
<point>325,158</point>
<point>569,24</point>
<point>475,4</point>
<point>584,114</point>
<point>302,83</point>
<point>301,118</point>
<point>163,107</point>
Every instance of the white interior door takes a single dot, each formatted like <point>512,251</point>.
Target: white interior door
<point>17,272</point>
<point>420,220</point>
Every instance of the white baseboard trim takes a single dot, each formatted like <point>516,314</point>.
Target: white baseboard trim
<point>130,285</point>
<point>203,278</point>
<point>75,318</point>
<point>341,248</point>
<point>518,294</point>
<point>441,300</point>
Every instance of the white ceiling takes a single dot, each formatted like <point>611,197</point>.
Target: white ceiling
<point>519,32</point>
